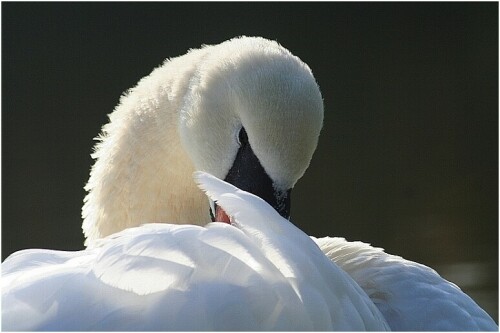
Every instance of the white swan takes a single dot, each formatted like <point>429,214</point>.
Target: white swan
<point>249,112</point>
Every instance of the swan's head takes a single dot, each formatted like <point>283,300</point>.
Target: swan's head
<point>246,111</point>
<point>252,117</point>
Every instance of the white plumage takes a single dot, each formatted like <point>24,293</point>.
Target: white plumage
<point>411,296</point>
<point>261,273</point>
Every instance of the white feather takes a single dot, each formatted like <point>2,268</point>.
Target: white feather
<point>264,274</point>
<point>261,273</point>
<point>411,296</point>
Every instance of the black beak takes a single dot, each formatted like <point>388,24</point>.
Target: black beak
<point>248,174</point>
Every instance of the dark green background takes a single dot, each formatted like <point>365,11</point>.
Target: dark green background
<point>408,157</point>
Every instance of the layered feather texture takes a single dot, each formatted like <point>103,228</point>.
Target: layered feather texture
<point>411,296</point>
<point>261,273</point>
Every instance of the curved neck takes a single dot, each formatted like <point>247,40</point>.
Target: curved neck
<point>142,173</point>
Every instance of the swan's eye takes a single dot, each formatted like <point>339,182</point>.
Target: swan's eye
<point>243,137</point>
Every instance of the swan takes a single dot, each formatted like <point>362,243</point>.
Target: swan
<point>244,118</point>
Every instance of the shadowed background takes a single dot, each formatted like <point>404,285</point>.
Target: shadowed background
<point>408,156</point>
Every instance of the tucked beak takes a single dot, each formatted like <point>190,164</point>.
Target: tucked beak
<point>248,174</point>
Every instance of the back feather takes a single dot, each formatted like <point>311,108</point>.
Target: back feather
<point>411,296</point>
<point>263,274</point>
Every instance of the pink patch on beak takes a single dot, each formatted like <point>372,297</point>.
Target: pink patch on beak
<point>221,216</point>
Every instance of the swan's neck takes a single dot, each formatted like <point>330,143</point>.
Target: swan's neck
<point>142,173</point>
